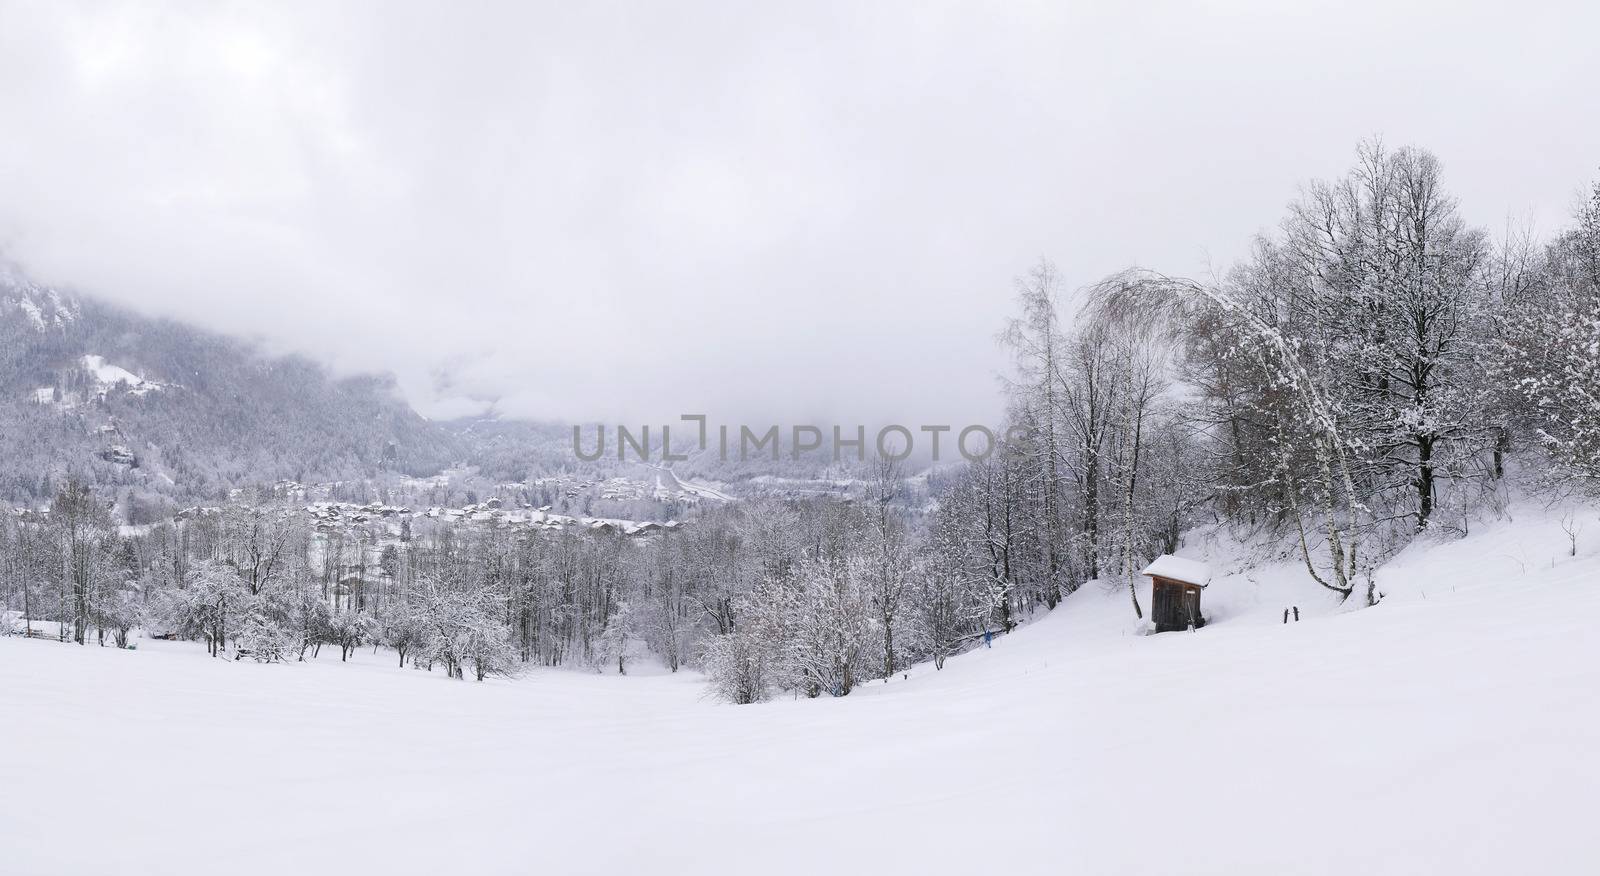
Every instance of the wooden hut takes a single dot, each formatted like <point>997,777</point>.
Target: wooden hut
<point>1175,585</point>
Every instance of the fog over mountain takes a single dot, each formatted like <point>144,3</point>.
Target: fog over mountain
<point>158,415</point>
<point>156,412</point>
<point>626,212</point>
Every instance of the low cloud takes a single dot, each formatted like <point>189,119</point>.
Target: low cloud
<point>622,213</point>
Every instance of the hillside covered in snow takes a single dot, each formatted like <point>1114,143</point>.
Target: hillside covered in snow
<point>1451,728</point>
<point>171,413</point>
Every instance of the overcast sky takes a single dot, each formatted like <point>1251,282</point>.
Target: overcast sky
<point>781,211</point>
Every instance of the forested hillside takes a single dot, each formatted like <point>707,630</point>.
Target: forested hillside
<point>165,413</point>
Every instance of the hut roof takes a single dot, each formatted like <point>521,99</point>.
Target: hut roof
<point>1178,569</point>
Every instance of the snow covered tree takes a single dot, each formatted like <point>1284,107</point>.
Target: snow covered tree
<point>829,618</point>
<point>348,628</point>
<point>1045,399</point>
<point>262,636</point>
<point>953,599</point>
<point>463,625</point>
<point>212,598</point>
<point>1391,297</point>
<point>311,620</point>
<point>402,629</point>
<point>83,528</point>
<point>1294,394</point>
<point>738,665</point>
<point>888,563</point>
<point>1549,350</point>
<point>621,629</point>
<point>486,646</point>
<point>119,611</point>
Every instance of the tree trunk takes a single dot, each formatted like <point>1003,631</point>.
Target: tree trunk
<point>1424,480</point>
<point>1091,514</point>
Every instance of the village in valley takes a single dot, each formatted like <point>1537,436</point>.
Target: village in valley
<point>334,516</point>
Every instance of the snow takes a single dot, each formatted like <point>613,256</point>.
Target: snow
<point>1178,569</point>
<point>1453,728</point>
<point>668,481</point>
<point>32,310</point>
<point>43,308</point>
<point>108,374</point>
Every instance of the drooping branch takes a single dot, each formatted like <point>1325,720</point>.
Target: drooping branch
<point>1172,304</point>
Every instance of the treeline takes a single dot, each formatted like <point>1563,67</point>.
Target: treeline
<point>1376,369</point>
<point>815,596</point>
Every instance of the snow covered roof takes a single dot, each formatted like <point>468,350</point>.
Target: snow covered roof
<point>1178,569</point>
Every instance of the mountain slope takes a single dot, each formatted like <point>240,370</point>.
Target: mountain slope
<point>173,412</point>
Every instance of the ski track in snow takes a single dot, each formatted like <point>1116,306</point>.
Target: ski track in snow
<point>1451,729</point>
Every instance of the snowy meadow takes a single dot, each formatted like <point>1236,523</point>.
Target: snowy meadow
<point>1447,730</point>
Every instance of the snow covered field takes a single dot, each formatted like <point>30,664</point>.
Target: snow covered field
<point>1454,728</point>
